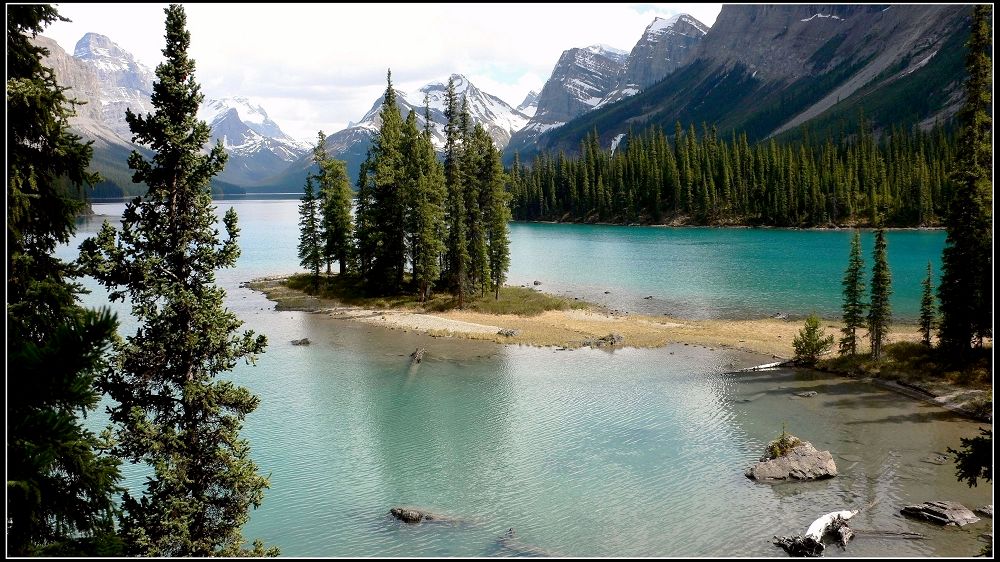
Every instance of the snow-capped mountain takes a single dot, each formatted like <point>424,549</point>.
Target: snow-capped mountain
<point>124,82</point>
<point>665,46</point>
<point>499,119</point>
<point>111,80</point>
<point>579,81</point>
<point>530,104</point>
<point>256,145</point>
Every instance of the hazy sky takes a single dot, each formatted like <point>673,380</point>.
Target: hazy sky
<point>318,66</point>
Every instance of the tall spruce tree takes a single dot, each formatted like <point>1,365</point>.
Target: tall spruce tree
<point>310,236</point>
<point>854,295</point>
<point>879,311</point>
<point>475,161</point>
<point>966,287</point>
<point>456,246</point>
<point>334,187</point>
<point>383,202</point>
<point>496,210</point>
<point>171,413</point>
<point>927,307</point>
<point>59,486</point>
<point>425,208</point>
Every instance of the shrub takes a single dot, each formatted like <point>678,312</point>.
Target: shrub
<point>811,341</point>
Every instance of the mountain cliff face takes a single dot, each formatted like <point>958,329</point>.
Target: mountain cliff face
<point>766,70</point>
<point>665,46</point>
<point>351,144</point>
<point>124,82</point>
<point>110,80</point>
<point>530,104</point>
<point>579,81</point>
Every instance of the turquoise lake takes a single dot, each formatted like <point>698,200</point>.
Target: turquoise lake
<point>586,452</point>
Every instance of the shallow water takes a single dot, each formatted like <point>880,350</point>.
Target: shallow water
<point>585,453</point>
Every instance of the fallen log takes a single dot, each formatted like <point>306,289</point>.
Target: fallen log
<point>417,356</point>
<point>811,544</point>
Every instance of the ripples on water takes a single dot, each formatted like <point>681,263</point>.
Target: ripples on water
<point>584,453</point>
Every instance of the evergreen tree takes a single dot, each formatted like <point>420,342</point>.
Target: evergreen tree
<point>456,245</point>
<point>854,294</point>
<point>811,342</point>
<point>975,459</point>
<point>170,412</point>
<point>310,239</point>
<point>927,308</point>
<point>59,486</point>
<point>384,201</point>
<point>476,168</point>
<point>879,311</point>
<point>496,215</point>
<point>336,230</point>
<point>966,287</point>
<point>426,210</point>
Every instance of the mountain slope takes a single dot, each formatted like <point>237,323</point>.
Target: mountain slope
<point>351,144</point>
<point>580,79</point>
<point>665,46</point>
<point>769,69</point>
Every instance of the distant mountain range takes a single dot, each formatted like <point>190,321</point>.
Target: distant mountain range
<point>761,69</point>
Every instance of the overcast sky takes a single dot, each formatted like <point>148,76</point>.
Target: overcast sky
<point>318,66</point>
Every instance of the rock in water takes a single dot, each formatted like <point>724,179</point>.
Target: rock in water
<point>802,462</point>
<point>941,512</point>
<point>303,341</point>
<point>985,511</point>
<point>417,356</point>
<point>408,515</point>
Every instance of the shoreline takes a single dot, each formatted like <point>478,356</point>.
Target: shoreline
<point>569,329</point>
<point>734,225</point>
<point>597,327</point>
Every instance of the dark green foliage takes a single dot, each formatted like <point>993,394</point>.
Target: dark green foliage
<point>879,311</point>
<point>811,341</point>
<point>783,444</point>
<point>927,307</point>
<point>456,244</point>
<point>854,298</point>
<point>171,411</point>
<point>310,236</point>
<point>59,484</point>
<point>381,235</point>
<point>424,205</point>
<point>703,179</point>
<point>966,286</point>
<point>336,230</point>
<point>975,460</point>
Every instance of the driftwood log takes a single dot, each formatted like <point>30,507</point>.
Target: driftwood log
<point>417,356</point>
<point>811,544</point>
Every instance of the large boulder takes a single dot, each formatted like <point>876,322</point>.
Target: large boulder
<point>801,462</point>
<point>410,515</point>
<point>942,513</point>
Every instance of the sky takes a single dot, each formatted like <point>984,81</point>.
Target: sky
<point>320,66</point>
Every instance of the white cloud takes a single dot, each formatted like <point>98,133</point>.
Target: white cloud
<point>318,66</point>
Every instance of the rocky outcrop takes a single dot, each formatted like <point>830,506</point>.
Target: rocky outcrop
<point>801,462</point>
<point>605,341</point>
<point>941,512</point>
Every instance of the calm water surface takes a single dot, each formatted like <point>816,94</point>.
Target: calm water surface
<point>587,453</point>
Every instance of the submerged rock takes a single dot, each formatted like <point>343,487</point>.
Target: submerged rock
<point>410,515</point>
<point>807,394</point>
<point>802,462</point>
<point>303,341</point>
<point>941,512</point>
<point>985,511</point>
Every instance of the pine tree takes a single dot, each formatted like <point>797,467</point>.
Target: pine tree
<point>879,311</point>
<point>456,245</point>
<point>966,287</point>
<point>811,341</point>
<point>475,163</point>
<point>310,239</point>
<point>496,215</point>
<point>383,202</point>
<point>426,210</point>
<point>59,487</point>
<point>854,294</point>
<point>171,413</point>
<point>927,307</point>
<point>336,231</point>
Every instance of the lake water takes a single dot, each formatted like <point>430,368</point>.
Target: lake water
<point>586,452</point>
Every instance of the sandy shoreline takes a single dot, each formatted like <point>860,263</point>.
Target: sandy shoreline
<point>569,328</point>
